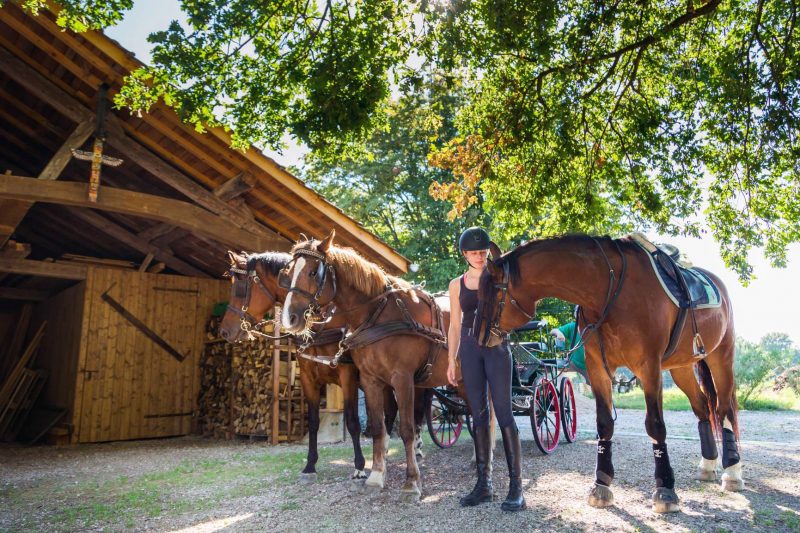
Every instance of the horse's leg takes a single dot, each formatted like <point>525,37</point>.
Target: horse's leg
<point>421,399</point>
<point>601,495</point>
<point>664,498</point>
<point>311,390</point>
<point>721,365</point>
<point>348,380</point>
<point>685,379</point>
<point>404,392</point>
<point>390,414</point>
<point>374,393</point>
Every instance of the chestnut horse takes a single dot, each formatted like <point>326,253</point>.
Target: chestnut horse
<point>254,293</point>
<point>322,275</point>
<point>626,319</point>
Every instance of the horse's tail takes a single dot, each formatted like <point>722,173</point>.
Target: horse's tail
<point>707,384</point>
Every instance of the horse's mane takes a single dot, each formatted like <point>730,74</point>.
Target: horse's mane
<point>354,271</point>
<point>273,262</point>
<point>512,256</point>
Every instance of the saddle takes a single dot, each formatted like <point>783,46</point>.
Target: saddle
<point>688,288</point>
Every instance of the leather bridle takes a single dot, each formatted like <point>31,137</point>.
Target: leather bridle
<point>242,288</point>
<point>323,273</point>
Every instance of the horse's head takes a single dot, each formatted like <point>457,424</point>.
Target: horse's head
<point>498,311</point>
<point>309,280</point>
<point>253,293</point>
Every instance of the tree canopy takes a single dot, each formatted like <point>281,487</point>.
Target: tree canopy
<point>578,115</point>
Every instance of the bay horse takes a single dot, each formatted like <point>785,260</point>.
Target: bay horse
<point>254,293</point>
<point>372,302</point>
<point>626,320</point>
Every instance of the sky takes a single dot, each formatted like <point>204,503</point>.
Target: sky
<point>766,305</point>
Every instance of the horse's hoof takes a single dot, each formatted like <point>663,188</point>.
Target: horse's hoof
<point>410,496</point>
<point>601,496</point>
<point>706,475</point>
<point>369,489</point>
<point>731,484</point>
<point>665,501</point>
<point>357,485</point>
<point>732,480</point>
<point>308,478</point>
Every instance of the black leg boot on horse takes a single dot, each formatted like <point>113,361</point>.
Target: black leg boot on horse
<point>483,491</point>
<point>515,501</point>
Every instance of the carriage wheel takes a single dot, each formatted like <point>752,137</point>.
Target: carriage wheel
<point>569,413</point>
<point>443,425</point>
<point>545,416</point>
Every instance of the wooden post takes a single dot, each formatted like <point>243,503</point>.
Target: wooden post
<point>276,385</point>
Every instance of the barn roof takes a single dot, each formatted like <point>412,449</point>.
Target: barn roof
<point>180,198</point>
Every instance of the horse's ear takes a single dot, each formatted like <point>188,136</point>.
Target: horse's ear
<point>495,250</point>
<point>236,259</point>
<point>325,245</point>
<point>494,270</point>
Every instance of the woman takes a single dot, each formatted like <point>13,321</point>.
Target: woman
<point>481,367</point>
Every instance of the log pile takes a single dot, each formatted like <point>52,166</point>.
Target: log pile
<point>240,395</point>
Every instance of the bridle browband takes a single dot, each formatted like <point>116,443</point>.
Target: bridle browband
<point>590,328</point>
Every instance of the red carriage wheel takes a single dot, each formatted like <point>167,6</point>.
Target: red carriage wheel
<point>569,412</point>
<point>443,425</point>
<point>545,415</point>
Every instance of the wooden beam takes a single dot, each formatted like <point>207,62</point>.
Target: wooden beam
<point>12,211</point>
<point>181,214</point>
<point>15,250</point>
<point>153,232</point>
<point>40,87</point>
<point>146,261</point>
<point>123,235</point>
<point>153,164</point>
<point>239,184</point>
<point>15,293</point>
<point>43,269</point>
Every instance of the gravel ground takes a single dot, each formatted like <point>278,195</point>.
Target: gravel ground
<point>38,484</point>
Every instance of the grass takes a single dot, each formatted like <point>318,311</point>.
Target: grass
<point>190,486</point>
<point>675,400</point>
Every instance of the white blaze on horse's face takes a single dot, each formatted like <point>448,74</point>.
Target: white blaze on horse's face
<point>299,265</point>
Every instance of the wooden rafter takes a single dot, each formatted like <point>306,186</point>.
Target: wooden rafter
<point>181,214</point>
<point>121,234</point>
<point>42,268</point>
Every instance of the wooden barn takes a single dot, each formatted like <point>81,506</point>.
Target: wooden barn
<point>106,286</point>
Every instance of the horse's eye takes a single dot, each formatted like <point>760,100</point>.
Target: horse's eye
<point>313,273</point>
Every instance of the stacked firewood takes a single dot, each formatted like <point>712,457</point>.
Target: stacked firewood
<point>238,391</point>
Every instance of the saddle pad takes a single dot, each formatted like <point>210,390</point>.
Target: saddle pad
<point>704,294</point>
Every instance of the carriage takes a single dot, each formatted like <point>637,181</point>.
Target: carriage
<point>540,390</point>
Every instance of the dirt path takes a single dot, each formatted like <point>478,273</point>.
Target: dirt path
<point>172,484</point>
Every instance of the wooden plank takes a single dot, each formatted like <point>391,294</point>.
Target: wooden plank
<point>175,212</point>
<point>15,250</point>
<point>27,355</point>
<point>236,186</point>
<point>31,295</point>
<point>11,215</point>
<point>155,231</point>
<point>42,268</point>
<point>10,351</point>
<point>42,88</point>
<point>146,262</point>
<point>132,240</point>
<point>83,349</point>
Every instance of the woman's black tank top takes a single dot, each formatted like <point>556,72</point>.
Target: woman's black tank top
<point>468,299</point>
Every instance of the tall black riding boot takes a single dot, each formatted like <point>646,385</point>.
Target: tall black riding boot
<point>514,501</point>
<point>483,490</point>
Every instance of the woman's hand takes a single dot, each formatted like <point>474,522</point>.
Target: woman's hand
<point>451,372</point>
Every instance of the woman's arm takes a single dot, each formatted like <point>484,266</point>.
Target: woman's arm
<point>454,331</point>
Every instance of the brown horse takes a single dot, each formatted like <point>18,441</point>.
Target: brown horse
<point>626,320</point>
<point>254,293</point>
<point>323,275</point>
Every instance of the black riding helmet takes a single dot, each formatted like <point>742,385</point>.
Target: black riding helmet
<point>473,238</point>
